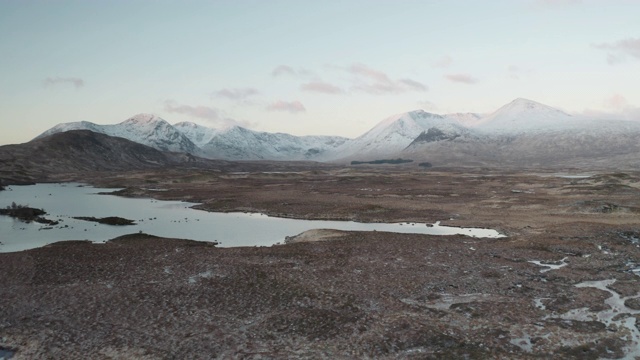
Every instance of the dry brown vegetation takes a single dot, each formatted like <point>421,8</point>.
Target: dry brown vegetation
<point>355,295</point>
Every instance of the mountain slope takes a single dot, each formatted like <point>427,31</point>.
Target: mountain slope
<point>198,134</point>
<point>525,116</point>
<point>606,144</point>
<point>144,129</point>
<point>80,151</point>
<point>396,133</point>
<point>239,143</point>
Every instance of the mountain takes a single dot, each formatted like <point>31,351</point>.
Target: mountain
<point>239,143</point>
<point>232,143</point>
<point>465,119</point>
<point>525,133</point>
<point>144,129</point>
<point>198,134</point>
<point>395,133</point>
<point>525,116</point>
<point>521,133</point>
<point>79,151</point>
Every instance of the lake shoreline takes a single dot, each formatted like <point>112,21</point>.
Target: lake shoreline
<point>358,295</point>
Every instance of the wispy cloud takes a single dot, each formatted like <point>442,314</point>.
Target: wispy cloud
<point>376,82</point>
<point>282,70</point>
<point>620,50</point>
<point>413,85</point>
<point>549,3</point>
<point>461,78</point>
<point>443,62</point>
<point>212,115</point>
<point>75,81</point>
<point>237,93</point>
<point>288,106</point>
<point>321,87</point>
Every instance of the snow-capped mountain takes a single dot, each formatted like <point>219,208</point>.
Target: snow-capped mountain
<point>144,129</point>
<point>238,143</point>
<point>198,134</point>
<point>525,116</point>
<point>232,143</point>
<point>527,133</point>
<point>396,133</point>
<point>465,119</point>
<point>519,133</point>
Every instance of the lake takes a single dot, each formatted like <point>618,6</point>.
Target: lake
<point>173,219</point>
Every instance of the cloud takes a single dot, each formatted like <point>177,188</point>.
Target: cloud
<point>618,109</point>
<point>365,71</point>
<point>212,115</point>
<point>556,2</point>
<point>617,102</point>
<point>376,82</point>
<point>412,84</point>
<point>443,62</point>
<point>620,50</point>
<point>461,78</point>
<point>77,82</point>
<point>283,70</point>
<point>321,87</point>
<point>236,94</point>
<point>288,106</point>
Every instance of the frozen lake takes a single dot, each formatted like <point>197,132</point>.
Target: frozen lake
<point>173,219</point>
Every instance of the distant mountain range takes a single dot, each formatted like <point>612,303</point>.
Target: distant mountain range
<point>521,133</point>
<point>232,143</point>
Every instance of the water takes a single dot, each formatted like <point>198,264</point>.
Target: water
<point>173,219</point>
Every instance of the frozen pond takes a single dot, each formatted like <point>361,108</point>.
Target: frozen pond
<point>171,219</point>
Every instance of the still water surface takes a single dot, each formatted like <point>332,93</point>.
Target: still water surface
<point>173,219</point>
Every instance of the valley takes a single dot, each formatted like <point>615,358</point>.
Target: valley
<point>561,283</point>
<point>344,294</point>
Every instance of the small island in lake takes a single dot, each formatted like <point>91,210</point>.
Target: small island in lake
<point>26,214</point>
<point>111,220</point>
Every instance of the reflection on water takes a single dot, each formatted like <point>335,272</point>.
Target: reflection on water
<point>172,219</point>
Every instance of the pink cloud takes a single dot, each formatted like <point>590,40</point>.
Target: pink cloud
<point>462,78</point>
<point>208,113</point>
<point>77,82</point>
<point>376,82</point>
<point>288,106</point>
<point>236,94</point>
<point>616,101</point>
<point>365,71</point>
<point>321,87</point>
<point>618,109</point>
<point>619,50</point>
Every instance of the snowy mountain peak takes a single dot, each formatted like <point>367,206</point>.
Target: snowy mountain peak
<point>523,115</point>
<point>186,124</point>
<point>521,105</point>
<point>143,119</point>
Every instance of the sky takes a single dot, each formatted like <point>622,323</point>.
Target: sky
<point>332,67</point>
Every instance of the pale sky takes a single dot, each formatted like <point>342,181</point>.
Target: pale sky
<point>310,67</point>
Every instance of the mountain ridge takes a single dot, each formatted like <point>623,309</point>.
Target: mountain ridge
<point>519,128</point>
